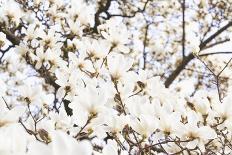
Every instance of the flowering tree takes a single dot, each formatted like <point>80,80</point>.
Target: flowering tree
<point>115,77</point>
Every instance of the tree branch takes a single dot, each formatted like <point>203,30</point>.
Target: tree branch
<point>129,16</point>
<point>183,28</point>
<point>144,46</point>
<point>214,53</point>
<point>10,36</point>
<point>187,59</point>
<point>102,8</point>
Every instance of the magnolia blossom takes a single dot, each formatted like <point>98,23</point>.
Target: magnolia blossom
<point>2,39</point>
<point>117,36</point>
<point>145,126</point>
<point>75,28</point>
<point>200,134</point>
<point>31,97</point>
<point>61,144</point>
<point>13,140</point>
<point>118,65</point>
<point>11,12</point>
<point>91,104</point>
<point>66,83</point>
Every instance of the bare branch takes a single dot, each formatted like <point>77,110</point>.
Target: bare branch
<point>10,36</point>
<point>187,59</point>
<point>102,8</point>
<point>183,28</point>
<point>214,53</point>
<point>144,46</point>
<point>217,43</point>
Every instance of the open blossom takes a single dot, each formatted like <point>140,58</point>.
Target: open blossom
<point>84,13</point>
<point>2,39</point>
<point>75,28</point>
<point>13,140</point>
<point>40,57</point>
<point>31,97</point>
<point>10,116</point>
<point>80,62</point>
<point>11,12</point>
<point>118,65</point>
<point>97,49</point>
<point>90,100</point>
<point>145,125</point>
<point>67,82</point>
<point>115,123</point>
<point>61,143</point>
<point>199,134</point>
<point>50,38</point>
<point>111,148</point>
<point>31,32</point>
<point>201,103</point>
<point>223,110</point>
<point>12,136</point>
<point>117,36</point>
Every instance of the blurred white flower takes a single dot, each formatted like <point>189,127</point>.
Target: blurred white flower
<point>145,125</point>
<point>61,144</point>
<point>2,39</point>
<point>118,65</point>
<point>10,12</point>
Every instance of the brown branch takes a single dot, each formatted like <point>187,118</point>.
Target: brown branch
<point>5,51</point>
<point>214,53</point>
<point>213,36</point>
<point>10,36</point>
<point>144,46</point>
<point>177,71</point>
<point>7,105</point>
<point>217,43</point>
<point>183,29</point>
<point>190,57</point>
<point>216,76</point>
<point>102,8</point>
<point>128,16</point>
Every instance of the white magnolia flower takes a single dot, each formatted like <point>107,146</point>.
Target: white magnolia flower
<point>40,57</point>
<point>13,140</point>
<point>82,12</point>
<point>67,80</point>
<point>61,144</point>
<point>117,35</point>
<point>200,135</point>
<point>169,123</point>
<point>75,28</point>
<point>31,32</point>
<point>10,12</point>
<point>2,39</point>
<point>115,123</point>
<point>50,38</point>
<point>61,120</point>
<point>118,65</point>
<point>201,103</point>
<point>145,125</point>
<point>8,117</point>
<point>80,62</point>
<point>97,49</point>
<point>112,148</point>
<point>33,96</point>
<point>89,99</point>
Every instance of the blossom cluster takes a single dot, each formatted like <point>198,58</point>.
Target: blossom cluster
<point>64,91</point>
